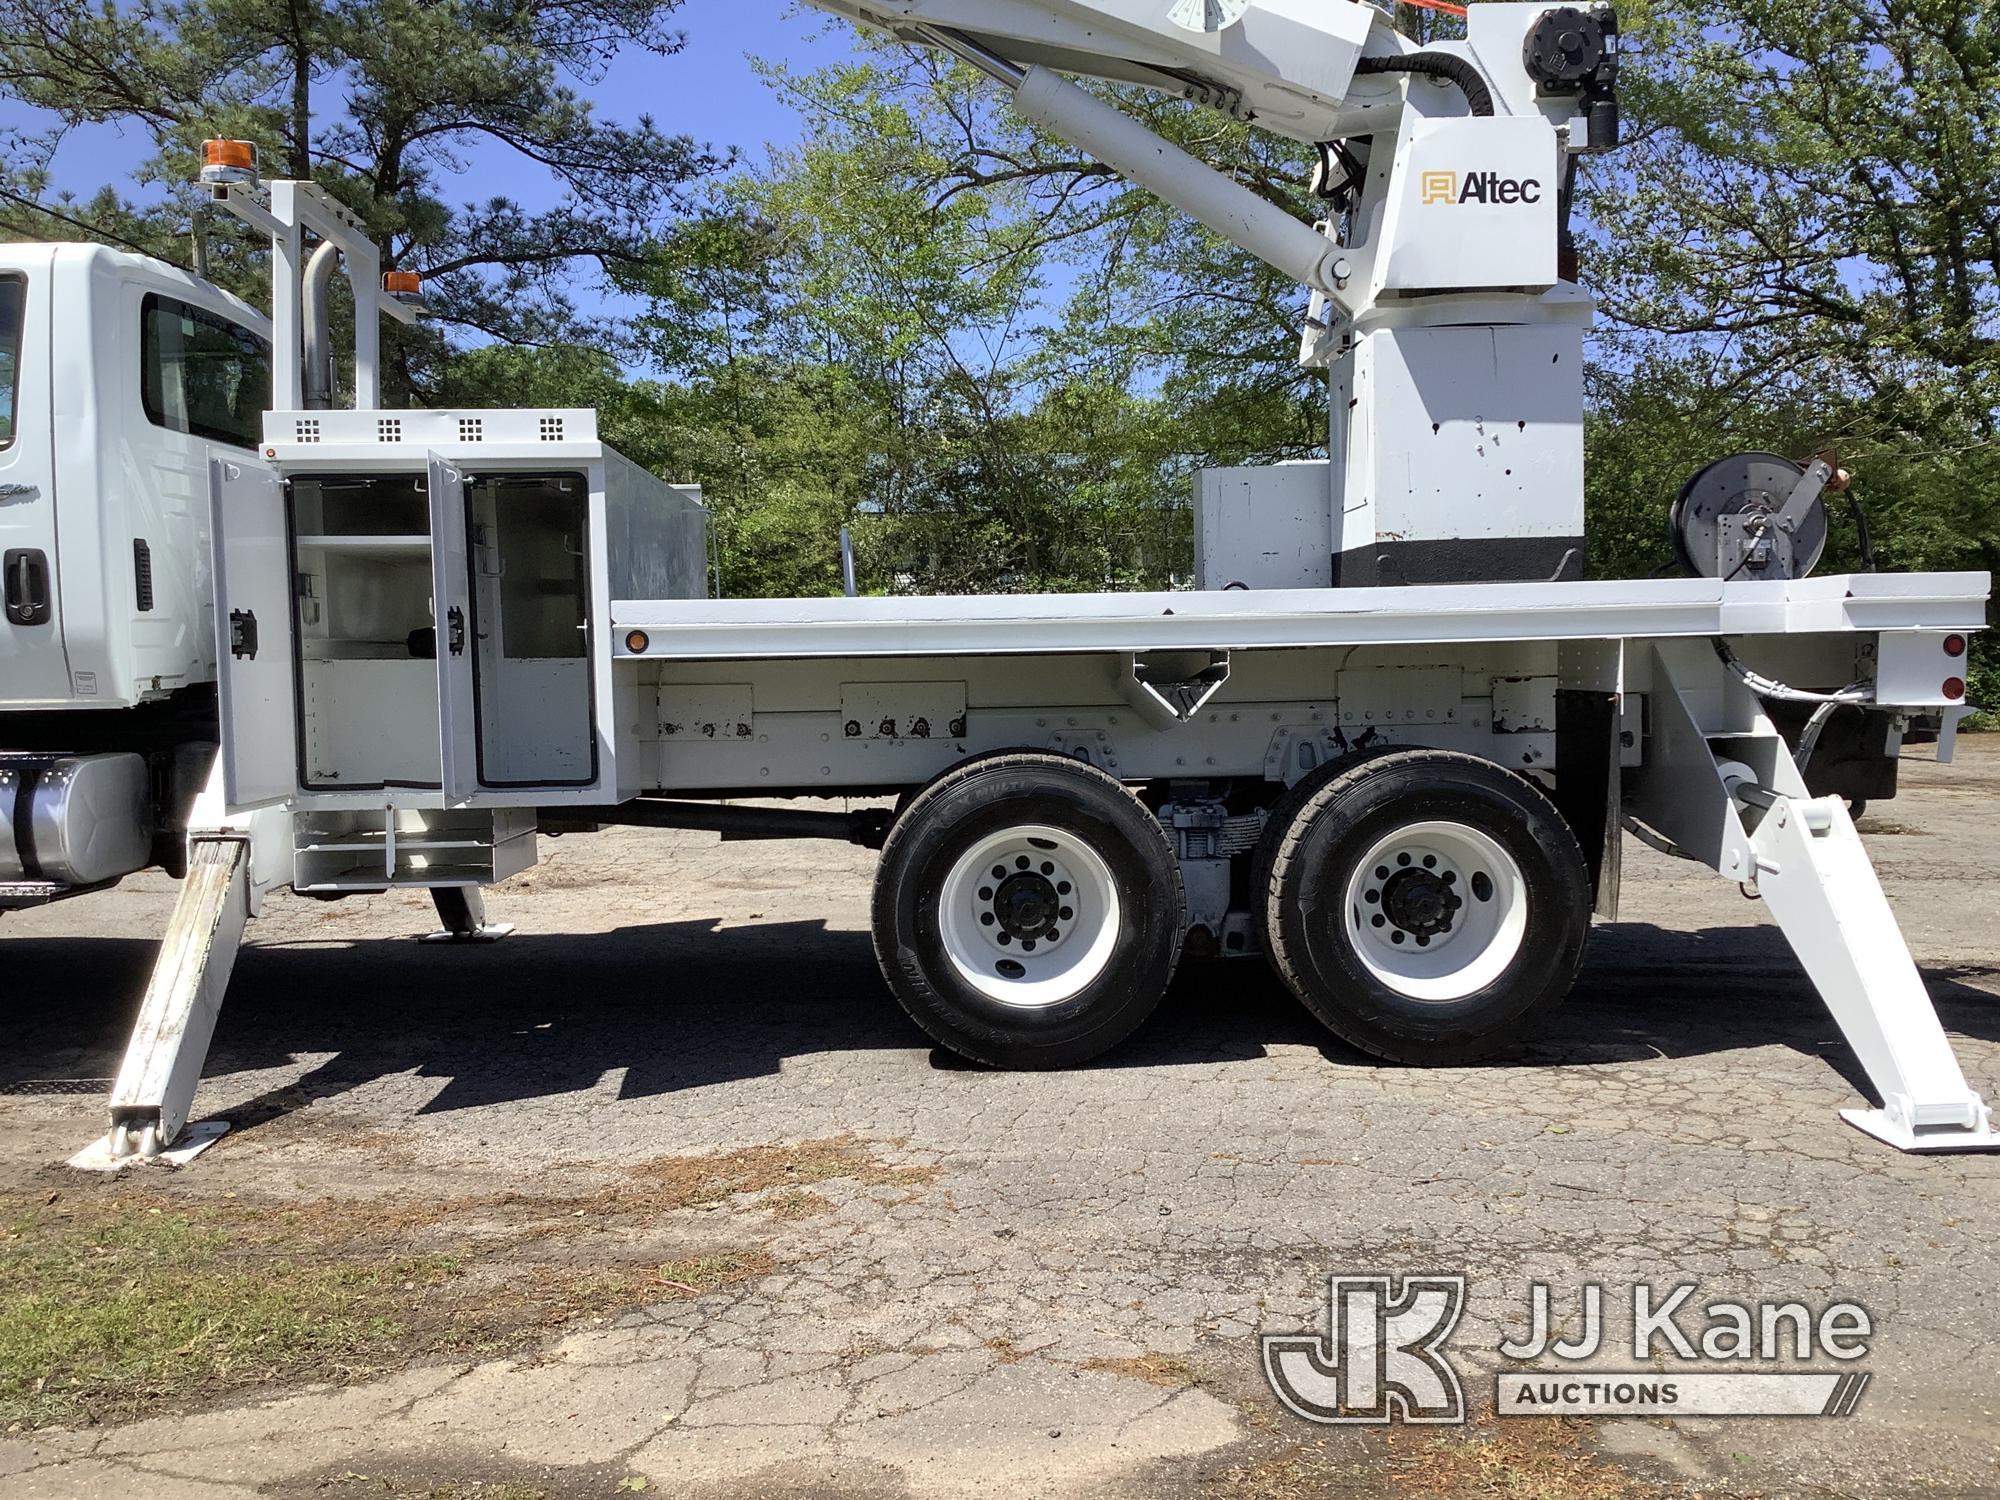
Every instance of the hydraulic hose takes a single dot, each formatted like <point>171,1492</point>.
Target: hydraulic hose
<point>1455,70</point>
<point>1767,687</point>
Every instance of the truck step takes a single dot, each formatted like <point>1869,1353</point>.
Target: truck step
<point>17,895</point>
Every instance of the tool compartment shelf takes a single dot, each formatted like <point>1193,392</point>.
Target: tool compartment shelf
<point>368,849</point>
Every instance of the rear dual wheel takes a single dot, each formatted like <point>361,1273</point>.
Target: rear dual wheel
<point>1425,905</point>
<point>1027,910</point>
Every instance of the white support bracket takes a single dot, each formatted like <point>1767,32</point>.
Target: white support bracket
<point>1816,880</point>
<point>1169,689</point>
<point>1722,785</point>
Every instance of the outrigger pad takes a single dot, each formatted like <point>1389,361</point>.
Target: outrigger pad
<point>1886,1127</point>
<point>485,932</point>
<point>195,1139</point>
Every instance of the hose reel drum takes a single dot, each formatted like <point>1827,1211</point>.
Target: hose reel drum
<point>1754,515</point>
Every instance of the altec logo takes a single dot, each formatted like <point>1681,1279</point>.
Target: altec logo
<point>1480,187</point>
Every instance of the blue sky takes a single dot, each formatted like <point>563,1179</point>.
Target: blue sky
<point>709,92</point>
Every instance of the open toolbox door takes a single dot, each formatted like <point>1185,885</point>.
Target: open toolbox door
<point>451,596</point>
<point>255,665</point>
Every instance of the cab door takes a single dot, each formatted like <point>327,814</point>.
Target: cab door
<point>255,661</point>
<point>33,666</point>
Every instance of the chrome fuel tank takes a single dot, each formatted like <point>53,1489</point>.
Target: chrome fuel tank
<point>84,819</point>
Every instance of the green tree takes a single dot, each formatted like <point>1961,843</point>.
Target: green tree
<point>1800,249</point>
<point>379,101</point>
<point>1032,355</point>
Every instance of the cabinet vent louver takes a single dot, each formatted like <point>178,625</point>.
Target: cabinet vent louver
<point>471,429</point>
<point>389,429</point>
<point>306,430</point>
<point>552,429</point>
<point>142,573</point>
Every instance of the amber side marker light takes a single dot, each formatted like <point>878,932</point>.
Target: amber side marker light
<point>637,642</point>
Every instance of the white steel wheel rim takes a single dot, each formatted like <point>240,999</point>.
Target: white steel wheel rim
<point>1404,926</point>
<point>1006,933</point>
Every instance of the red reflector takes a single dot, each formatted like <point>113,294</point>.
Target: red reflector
<point>1954,687</point>
<point>1954,645</point>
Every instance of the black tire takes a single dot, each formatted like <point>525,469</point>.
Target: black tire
<point>1318,855</point>
<point>982,801</point>
<point>1279,817</point>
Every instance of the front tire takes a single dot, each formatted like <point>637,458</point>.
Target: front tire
<point>1426,904</point>
<point>1027,911</point>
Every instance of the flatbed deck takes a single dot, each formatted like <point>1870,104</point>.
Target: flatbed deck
<point>1022,624</point>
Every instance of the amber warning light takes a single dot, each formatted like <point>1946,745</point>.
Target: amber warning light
<point>406,287</point>
<point>224,162</point>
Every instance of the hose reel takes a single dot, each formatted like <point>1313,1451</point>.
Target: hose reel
<point>1754,515</point>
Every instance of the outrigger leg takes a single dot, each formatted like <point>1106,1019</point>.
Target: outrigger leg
<point>156,1082</point>
<point>1724,788</point>
<point>462,910</point>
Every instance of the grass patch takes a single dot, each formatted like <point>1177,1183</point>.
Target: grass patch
<point>116,1301</point>
<point>104,1311</point>
<point>799,1203</point>
<point>1541,1458</point>
<point>1168,1371</point>
<point>698,1181</point>
<point>704,1273</point>
<point>390,1489</point>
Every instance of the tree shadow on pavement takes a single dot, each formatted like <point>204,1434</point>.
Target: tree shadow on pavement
<point>679,1005</point>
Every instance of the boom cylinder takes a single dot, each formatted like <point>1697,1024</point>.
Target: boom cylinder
<point>1192,186</point>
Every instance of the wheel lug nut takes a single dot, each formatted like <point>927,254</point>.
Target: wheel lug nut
<point>986,919</point>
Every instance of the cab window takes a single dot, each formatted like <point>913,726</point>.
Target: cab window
<point>202,374</point>
<point>13,302</point>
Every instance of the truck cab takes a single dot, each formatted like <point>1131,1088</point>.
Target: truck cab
<point>121,378</point>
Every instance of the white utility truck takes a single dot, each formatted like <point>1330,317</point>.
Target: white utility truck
<point>1393,744</point>
<point>120,378</point>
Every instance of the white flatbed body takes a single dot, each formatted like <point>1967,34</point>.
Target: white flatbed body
<point>1280,619</point>
<point>424,711</point>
